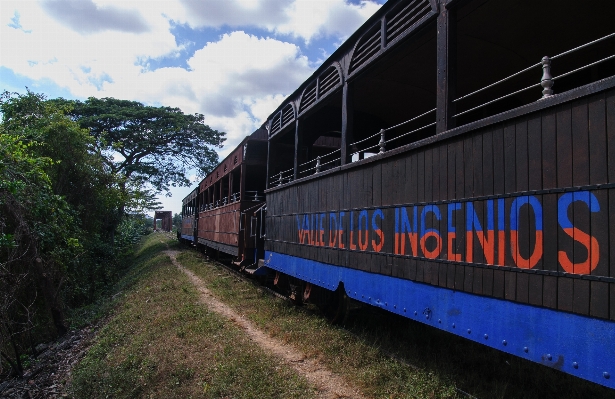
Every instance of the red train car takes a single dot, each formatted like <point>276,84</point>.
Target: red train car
<point>231,202</point>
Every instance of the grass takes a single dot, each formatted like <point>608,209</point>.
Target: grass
<point>161,342</point>
<point>389,356</point>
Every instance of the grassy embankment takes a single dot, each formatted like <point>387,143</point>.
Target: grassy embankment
<point>161,343</point>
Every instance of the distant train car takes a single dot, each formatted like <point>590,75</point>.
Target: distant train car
<point>187,233</point>
<point>454,162</point>
<point>231,203</point>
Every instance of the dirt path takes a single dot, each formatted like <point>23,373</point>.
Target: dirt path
<point>328,384</point>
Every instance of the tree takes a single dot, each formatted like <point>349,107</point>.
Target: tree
<point>158,145</point>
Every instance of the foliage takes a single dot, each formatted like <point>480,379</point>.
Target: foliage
<point>158,145</point>
<point>69,210</point>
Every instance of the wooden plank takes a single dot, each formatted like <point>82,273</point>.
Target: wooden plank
<point>459,277</point>
<point>580,144</point>
<point>376,186</point>
<point>450,275</point>
<point>521,156</point>
<point>477,157</point>
<point>598,171</point>
<point>468,165</point>
<point>459,171</point>
<point>510,285</point>
<point>581,296</point>
<point>612,301</point>
<point>600,231</point>
<point>443,173</point>
<point>387,181</point>
<point>564,294</point>
<point>435,173</point>
<point>535,289</point>
<point>549,292</point>
<point>509,159</point>
<point>523,284</point>
<point>442,274</point>
<point>468,279</point>
<point>549,150</point>
<point>534,151</point>
<point>488,282</point>
<point>498,283</point>
<point>498,161</point>
<point>450,165</point>
<point>420,176</point>
<point>610,133</point>
<point>599,301</point>
<point>429,184</point>
<point>564,146</point>
<point>488,172</point>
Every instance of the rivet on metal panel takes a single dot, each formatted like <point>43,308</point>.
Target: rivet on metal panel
<point>486,336</point>
<point>415,312</point>
<point>575,365</point>
<point>453,325</point>
<point>469,331</point>
<point>404,309</point>
<point>549,357</point>
<point>525,349</point>
<point>395,306</point>
<point>504,343</point>
<point>606,375</point>
<point>386,304</point>
<point>440,321</point>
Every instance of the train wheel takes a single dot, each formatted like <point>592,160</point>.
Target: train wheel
<point>336,308</point>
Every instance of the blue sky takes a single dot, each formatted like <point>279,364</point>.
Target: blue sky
<point>198,55</point>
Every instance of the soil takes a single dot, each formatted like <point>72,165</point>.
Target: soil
<point>48,372</point>
<point>329,385</point>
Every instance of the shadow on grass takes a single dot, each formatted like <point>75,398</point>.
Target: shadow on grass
<point>475,368</point>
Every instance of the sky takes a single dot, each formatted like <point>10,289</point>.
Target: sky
<point>233,61</point>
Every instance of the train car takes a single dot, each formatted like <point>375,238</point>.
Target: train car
<point>190,205</point>
<point>231,203</point>
<point>454,162</point>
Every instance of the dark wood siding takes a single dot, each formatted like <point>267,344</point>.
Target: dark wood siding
<point>542,157</point>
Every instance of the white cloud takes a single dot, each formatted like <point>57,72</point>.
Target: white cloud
<point>84,16</point>
<point>306,19</point>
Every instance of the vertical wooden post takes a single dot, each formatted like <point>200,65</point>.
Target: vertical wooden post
<point>347,121</point>
<point>269,169</point>
<point>298,144</point>
<point>242,181</point>
<point>230,186</point>
<point>447,62</point>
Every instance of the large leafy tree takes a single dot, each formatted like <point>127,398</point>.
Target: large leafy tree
<point>157,145</point>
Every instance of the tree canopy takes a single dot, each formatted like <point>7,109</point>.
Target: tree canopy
<point>158,145</point>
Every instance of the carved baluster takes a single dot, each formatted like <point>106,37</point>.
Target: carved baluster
<point>547,80</point>
<point>317,165</point>
<point>382,143</point>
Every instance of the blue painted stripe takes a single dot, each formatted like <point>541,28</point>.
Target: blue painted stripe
<point>187,237</point>
<point>526,331</point>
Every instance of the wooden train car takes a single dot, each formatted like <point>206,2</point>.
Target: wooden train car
<point>454,162</point>
<point>231,201</point>
<point>189,214</point>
